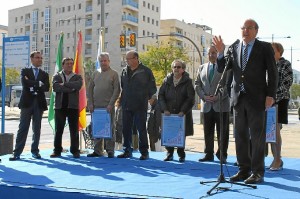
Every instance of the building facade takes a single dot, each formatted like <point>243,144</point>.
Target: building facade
<point>44,20</point>
<point>201,36</point>
<point>3,33</point>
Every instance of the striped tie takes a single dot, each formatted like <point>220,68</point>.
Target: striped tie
<point>244,63</point>
<point>245,57</point>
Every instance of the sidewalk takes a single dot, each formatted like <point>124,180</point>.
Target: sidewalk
<point>290,137</point>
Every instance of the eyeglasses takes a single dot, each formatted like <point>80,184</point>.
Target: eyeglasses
<point>178,67</point>
<point>248,28</point>
<point>129,58</point>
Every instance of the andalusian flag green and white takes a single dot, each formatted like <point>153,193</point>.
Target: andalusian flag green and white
<point>58,68</point>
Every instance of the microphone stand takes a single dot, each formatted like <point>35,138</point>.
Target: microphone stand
<point>221,179</point>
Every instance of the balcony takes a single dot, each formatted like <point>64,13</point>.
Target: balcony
<point>88,37</point>
<point>130,4</point>
<point>89,9</point>
<point>88,23</point>
<point>130,19</point>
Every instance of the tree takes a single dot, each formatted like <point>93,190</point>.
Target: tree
<point>88,70</point>
<point>295,91</point>
<point>12,76</point>
<point>159,59</point>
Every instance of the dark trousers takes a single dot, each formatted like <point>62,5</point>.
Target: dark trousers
<point>250,123</point>
<point>180,151</point>
<point>35,113</point>
<point>138,118</point>
<point>60,122</point>
<point>210,120</point>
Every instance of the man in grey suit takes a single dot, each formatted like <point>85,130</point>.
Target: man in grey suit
<point>205,85</point>
<point>254,85</point>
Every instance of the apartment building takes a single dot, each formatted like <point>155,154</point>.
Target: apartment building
<point>200,35</point>
<point>3,33</point>
<point>44,20</point>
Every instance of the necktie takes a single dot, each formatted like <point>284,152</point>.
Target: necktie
<point>36,72</point>
<point>211,72</point>
<point>245,57</point>
<point>244,63</point>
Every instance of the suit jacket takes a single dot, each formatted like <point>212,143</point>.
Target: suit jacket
<point>205,88</point>
<point>260,76</point>
<point>32,88</point>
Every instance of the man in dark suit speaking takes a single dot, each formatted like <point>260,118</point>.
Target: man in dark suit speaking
<point>253,92</point>
<point>33,103</point>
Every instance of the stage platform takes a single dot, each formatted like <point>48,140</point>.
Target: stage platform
<point>102,177</point>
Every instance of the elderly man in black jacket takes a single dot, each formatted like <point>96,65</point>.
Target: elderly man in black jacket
<point>138,86</point>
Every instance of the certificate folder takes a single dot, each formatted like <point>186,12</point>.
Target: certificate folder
<point>101,124</point>
<point>173,131</point>
<point>271,124</point>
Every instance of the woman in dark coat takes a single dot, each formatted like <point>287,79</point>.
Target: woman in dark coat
<point>177,96</point>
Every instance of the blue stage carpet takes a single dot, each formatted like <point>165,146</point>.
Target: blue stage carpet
<point>102,177</point>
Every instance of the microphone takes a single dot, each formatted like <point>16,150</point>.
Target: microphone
<point>230,48</point>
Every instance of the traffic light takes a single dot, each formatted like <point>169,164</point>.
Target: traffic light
<point>132,39</point>
<point>122,41</point>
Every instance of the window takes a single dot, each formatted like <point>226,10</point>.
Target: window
<point>107,1</point>
<point>156,23</point>
<point>144,18</point>
<point>157,9</point>
<point>153,21</point>
<point>148,5</point>
<point>153,7</point>
<point>144,32</point>
<point>106,30</point>
<point>69,8</point>
<point>144,3</point>
<point>148,19</point>
<point>16,19</point>
<point>21,30</point>
<point>79,6</point>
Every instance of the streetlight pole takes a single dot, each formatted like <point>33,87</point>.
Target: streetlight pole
<point>75,19</point>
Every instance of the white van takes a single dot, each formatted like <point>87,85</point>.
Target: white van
<point>15,95</point>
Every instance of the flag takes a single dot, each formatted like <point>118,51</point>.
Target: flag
<point>58,67</point>
<point>78,69</point>
<point>99,50</point>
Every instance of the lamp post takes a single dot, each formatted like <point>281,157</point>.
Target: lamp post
<point>75,18</point>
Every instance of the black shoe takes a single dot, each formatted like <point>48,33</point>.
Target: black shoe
<point>236,164</point>
<point>55,155</point>
<point>93,155</point>
<point>76,155</point>
<point>169,157</point>
<point>207,158</point>
<point>125,154</point>
<point>239,176</point>
<point>144,156</point>
<point>14,157</point>
<point>254,179</point>
<point>36,156</point>
<point>181,159</point>
<point>110,154</point>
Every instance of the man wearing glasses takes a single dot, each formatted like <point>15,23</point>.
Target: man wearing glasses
<point>205,85</point>
<point>138,86</point>
<point>253,92</point>
<point>33,103</point>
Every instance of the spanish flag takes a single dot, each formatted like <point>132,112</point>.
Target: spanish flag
<point>79,69</point>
